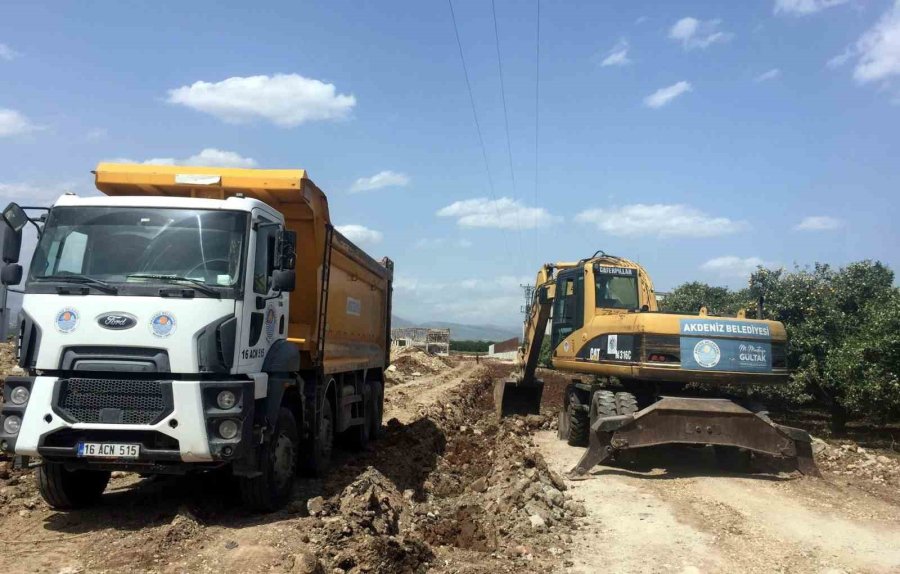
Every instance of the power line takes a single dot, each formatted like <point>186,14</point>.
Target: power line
<point>537,109</point>
<point>487,165</point>
<point>512,171</point>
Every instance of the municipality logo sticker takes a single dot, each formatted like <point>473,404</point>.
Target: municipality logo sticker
<point>707,354</point>
<point>66,320</point>
<point>162,324</point>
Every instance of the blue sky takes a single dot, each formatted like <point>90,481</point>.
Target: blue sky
<point>700,138</point>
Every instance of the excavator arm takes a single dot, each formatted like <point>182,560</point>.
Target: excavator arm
<point>521,393</point>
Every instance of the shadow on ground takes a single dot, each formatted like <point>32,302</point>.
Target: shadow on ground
<point>405,454</point>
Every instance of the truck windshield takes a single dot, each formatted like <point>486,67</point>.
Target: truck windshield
<point>131,244</point>
<point>616,287</point>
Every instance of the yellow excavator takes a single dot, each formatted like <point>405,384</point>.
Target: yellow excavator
<point>605,326</point>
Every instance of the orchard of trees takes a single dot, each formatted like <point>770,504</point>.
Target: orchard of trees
<point>843,330</point>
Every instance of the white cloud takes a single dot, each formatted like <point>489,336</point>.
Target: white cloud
<point>465,300</point>
<point>803,7</point>
<point>360,233</point>
<point>96,134</point>
<point>13,123</point>
<point>842,58</point>
<point>381,179</point>
<point>819,223</point>
<point>208,157</point>
<point>503,213</point>
<point>7,53</point>
<point>663,220</point>
<point>617,55</point>
<point>879,49</point>
<point>732,266</point>
<point>286,100</point>
<point>770,75</point>
<point>36,194</point>
<point>693,33</point>
<point>663,96</point>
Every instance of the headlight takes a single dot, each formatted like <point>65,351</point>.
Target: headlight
<point>228,429</point>
<point>19,395</point>
<point>12,424</point>
<point>226,400</point>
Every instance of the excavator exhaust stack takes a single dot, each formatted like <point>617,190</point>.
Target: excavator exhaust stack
<point>678,420</point>
<point>518,397</point>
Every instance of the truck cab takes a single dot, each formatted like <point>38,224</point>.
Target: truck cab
<point>155,332</point>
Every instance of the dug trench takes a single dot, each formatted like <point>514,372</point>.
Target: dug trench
<point>446,488</point>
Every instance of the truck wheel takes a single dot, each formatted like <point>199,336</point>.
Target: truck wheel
<point>278,462</point>
<point>65,489</point>
<point>319,458</point>
<point>359,434</point>
<point>603,404</point>
<point>626,403</point>
<point>579,422</point>
<point>377,410</point>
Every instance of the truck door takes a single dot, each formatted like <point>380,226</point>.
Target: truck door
<point>568,308</point>
<point>264,311</point>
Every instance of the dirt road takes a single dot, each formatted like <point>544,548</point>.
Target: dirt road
<point>679,513</point>
<point>449,489</point>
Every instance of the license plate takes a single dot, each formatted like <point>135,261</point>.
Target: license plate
<point>108,450</point>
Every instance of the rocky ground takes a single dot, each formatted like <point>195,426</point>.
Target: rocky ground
<point>447,488</point>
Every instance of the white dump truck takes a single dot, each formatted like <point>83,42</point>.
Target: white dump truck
<point>192,319</point>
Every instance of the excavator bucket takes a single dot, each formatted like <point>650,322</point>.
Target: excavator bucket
<point>517,397</point>
<point>679,420</point>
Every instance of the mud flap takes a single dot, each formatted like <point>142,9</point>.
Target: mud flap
<point>678,420</point>
<point>513,397</point>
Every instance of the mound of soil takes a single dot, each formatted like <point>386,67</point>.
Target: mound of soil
<point>409,363</point>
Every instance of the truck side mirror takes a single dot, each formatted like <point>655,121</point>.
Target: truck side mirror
<point>284,280</point>
<point>10,243</point>
<point>15,216</point>
<point>288,249</point>
<point>11,274</point>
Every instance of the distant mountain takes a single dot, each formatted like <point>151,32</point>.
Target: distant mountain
<point>461,332</point>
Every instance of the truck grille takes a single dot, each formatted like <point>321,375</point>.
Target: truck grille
<point>114,401</point>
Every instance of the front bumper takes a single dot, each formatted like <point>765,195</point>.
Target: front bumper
<point>184,432</point>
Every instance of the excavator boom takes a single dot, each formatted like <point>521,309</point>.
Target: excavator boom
<point>521,393</point>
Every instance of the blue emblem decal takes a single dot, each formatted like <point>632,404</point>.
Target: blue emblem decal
<point>67,320</point>
<point>707,354</point>
<point>162,324</point>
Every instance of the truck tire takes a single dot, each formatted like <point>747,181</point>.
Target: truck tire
<point>278,464</point>
<point>603,404</point>
<point>579,422</point>
<point>318,459</point>
<point>626,403</point>
<point>67,489</point>
<point>377,410</point>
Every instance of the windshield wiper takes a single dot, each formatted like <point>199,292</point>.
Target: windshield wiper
<point>80,279</point>
<point>200,285</point>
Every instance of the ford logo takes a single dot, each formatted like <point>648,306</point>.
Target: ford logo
<point>117,321</point>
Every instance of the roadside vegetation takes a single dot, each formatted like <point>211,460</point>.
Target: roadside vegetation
<point>843,329</point>
<point>470,346</point>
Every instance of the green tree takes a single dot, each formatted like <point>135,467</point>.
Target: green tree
<point>831,317</point>
<point>690,297</point>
